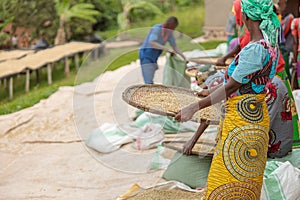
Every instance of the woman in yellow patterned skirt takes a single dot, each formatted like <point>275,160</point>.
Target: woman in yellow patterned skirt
<point>241,153</point>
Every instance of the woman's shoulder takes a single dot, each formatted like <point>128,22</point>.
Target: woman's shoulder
<point>255,52</point>
<point>255,48</point>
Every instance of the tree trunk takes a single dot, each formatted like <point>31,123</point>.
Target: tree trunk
<point>123,35</point>
<point>61,35</point>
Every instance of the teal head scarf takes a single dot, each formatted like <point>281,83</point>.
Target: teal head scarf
<point>262,10</point>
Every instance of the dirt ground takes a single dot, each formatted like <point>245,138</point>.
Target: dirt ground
<point>43,155</point>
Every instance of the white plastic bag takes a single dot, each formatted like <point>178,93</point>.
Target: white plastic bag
<point>296,95</point>
<point>159,161</point>
<point>282,184</point>
<point>150,136</point>
<point>107,138</point>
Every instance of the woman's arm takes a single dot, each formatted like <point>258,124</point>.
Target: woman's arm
<point>221,93</point>
<point>188,146</point>
<point>232,53</point>
<point>206,92</point>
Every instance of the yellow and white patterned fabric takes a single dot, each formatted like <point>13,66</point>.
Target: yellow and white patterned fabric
<point>241,153</point>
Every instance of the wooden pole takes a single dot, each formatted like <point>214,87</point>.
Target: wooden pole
<point>37,73</point>
<point>67,67</point>
<point>85,54</point>
<point>49,73</point>
<point>27,81</point>
<point>76,58</point>
<point>5,83</point>
<point>95,52</point>
<point>11,88</point>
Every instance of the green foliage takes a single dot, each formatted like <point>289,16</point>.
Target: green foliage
<point>129,7</point>
<point>79,10</point>
<point>4,38</point>
<point>83,11</point>
<point>186,3</point>
<point>80,33</point>
<point>6,7</point>
<point>109,10</point>
<point>146,6</point>
<point>31,14</point>
<point>66,12</point>
<point>143,11</point>
<point>6,22</point>
<point>191,20</point>
<point>183,3</point>
<point>104,17</point>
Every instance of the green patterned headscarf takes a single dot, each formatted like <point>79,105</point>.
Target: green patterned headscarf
<point>262,10</point>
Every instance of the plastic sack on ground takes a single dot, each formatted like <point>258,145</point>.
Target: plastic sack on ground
<point>168,124</point>
<point>281,182</point>
<point>296,95</point>
<point>222,48</point>
<point>174,72</point>
<point>159,160</point>
<point>149,137</point>
<point>293,158</point>
<point>108,138</point>
<point>191,170</point>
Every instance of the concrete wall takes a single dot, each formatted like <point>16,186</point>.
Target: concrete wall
<point>216,12</point>
<point>216,15</point>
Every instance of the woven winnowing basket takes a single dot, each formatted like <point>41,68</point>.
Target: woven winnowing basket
<point>191,72</point>
<point>167,100</point>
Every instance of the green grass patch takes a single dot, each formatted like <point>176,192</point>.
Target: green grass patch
<point>109,61</point>
<point>210,44</point>
<point>124,60</point>
<point>27,100</point>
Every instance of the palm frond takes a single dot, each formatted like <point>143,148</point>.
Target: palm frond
<point>83,11</point>
<point>62,6</point>
<point>147,6</point>
<point>6,22</point>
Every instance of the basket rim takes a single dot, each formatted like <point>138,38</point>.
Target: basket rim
<point>127,93</point>
<point>189,73</point>
<point>170,144</point>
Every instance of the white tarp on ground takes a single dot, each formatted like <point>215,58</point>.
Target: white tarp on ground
<point>43,155</point>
